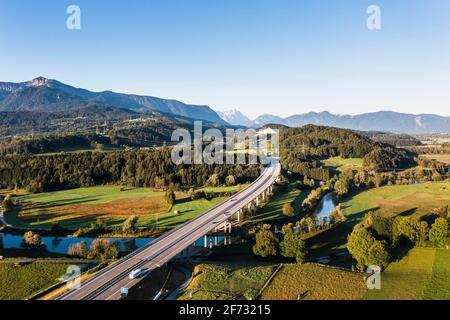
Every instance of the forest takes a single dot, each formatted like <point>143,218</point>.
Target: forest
<point>301,150</point>
<point>153,169</point>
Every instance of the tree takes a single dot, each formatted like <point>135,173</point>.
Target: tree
<point>32,240</point>
<point>191,193</point>
<point>341,187</point>
<point>129,226</point>
<point>408,228</point>
<point>359,243</point>
<point>378,254</point>
<point>378,180</point>
<point>170,197</point>
<point>230,180</point>
<point>439,232</point>
<point>310,224</point>
<point>78,250</point>
<point>7,204</point>
<point>266,244</point>
<point>293,246</point>
<point>103,250</point>
<point>213,181</point>
<point>288,209</point>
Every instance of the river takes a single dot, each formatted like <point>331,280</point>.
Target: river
<point>325,207</point>
<point>61,245</point>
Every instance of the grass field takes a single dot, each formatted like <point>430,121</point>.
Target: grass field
<point>18,283</point>
<point>415,200</point>
<point>316,283</point>
<point>444,158</point>
<point>393,200</point>
<point>221,282</point>
<point>79,149</point>
<point>274,209</point>
<point>423,274</point>
<point>339,164</point>
<point>80,207</point>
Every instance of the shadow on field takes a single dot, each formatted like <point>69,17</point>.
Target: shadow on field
<point>333,241</point>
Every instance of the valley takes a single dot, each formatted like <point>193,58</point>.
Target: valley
<point>92,178</point>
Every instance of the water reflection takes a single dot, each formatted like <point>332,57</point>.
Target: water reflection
<point>325,207</point>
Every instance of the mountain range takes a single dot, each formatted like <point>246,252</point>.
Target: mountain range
<point>45,95</point>
<point>386,121</point>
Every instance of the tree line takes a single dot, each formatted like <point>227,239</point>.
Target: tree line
<point>153,169</point>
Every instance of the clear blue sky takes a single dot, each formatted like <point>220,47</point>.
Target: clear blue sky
<point>282,57</point>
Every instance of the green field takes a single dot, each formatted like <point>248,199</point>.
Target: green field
<point>79,149</point>
<point>415,200</point>
<point>316,283</point>
<point>222,282</point>
<point>92,195</point>
<point>393,200</point>
<point>424,274</point>
<point>80,207</point>
<point>18,283</point>
<point>274,209</point>
<point>340,164</point>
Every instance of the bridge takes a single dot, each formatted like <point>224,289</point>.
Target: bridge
<point>107,284</point>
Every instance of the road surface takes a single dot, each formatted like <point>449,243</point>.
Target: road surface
<point>106,284</point>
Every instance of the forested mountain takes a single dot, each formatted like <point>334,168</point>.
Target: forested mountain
<point>26,122</point>
<point>42,132</point>
<point>394,139</point>
<point>42,94</point>
<point>302,150</point>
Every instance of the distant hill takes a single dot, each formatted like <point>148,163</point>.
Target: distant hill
<point>47,95</point>
<point>302,149</point>
<point>386,121</point>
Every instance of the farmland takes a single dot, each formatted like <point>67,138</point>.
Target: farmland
<point>393,200</point>
<point>219,282</point>
<point>423,274</point>
<point>17,283</point>
<point>80,207</point>
<point>315,282</point>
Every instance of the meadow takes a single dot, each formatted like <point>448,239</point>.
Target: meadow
<point>18,283</point>
<point>424,274</point>
<point>340,164</point>
<point>315,282</point>
<point>416,200</point>
<point>77,208</point>
<point>274,208</point>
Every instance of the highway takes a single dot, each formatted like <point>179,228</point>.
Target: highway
<point>106,284</point>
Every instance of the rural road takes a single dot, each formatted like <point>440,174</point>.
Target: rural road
<point>106,285</point>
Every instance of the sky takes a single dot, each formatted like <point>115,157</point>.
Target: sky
<point>279,57</point>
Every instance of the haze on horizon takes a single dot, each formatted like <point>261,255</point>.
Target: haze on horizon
<point>286,57</point>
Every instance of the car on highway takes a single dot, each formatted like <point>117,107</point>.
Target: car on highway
<point>135,274</point>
